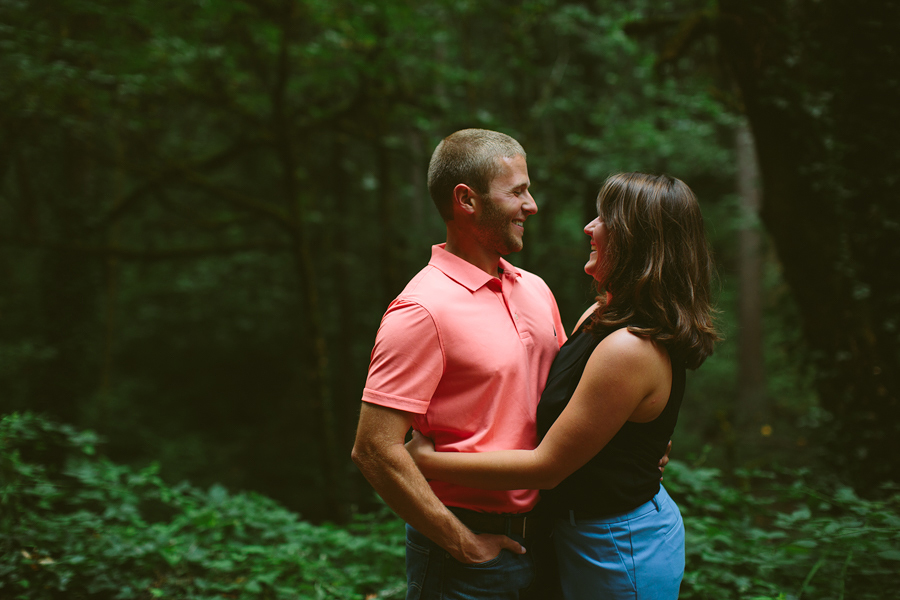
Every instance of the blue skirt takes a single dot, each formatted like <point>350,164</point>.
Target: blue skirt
<point>637,555</point>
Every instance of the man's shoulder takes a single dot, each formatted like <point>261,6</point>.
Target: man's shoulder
<point>431,300</point>
<point>430,286</point>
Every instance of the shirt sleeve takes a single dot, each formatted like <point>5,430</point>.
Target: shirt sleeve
<point>407,361</point>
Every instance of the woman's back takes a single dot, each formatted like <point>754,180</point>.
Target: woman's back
<point>625,473</point>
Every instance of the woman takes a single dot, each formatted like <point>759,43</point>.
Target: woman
<point>612,398</point>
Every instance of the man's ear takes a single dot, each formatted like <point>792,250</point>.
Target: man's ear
<point>465,198</point>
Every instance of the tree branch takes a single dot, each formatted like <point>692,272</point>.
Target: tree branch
<point>238,199</point>
<point>156,179</point>
<point>143,255</point>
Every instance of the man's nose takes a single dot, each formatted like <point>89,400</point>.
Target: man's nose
<point>530,205</point>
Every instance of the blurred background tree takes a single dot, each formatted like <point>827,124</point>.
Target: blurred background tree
<point>206,206</point>
<point>819,86</point>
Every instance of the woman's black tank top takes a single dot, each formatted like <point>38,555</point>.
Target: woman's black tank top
<point>625,473</point>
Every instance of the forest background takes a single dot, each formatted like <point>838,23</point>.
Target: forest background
<point>207,205</point>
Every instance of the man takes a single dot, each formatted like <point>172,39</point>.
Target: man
<point>462,355</point>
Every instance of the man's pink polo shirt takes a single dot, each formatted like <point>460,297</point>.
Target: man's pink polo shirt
<point>469,354</point>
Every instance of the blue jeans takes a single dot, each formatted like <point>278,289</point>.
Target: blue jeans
<point>432,574</point>
<point>638,555</point>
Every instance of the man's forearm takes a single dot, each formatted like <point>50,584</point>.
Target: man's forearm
<point>395,477</point>
<point>383,460</point>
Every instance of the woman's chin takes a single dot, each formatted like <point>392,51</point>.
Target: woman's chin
<point>591,269</point>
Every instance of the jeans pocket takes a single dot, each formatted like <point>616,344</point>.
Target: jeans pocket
<point>416,569</point>
<point>500,578</point>
<point>486,564</point>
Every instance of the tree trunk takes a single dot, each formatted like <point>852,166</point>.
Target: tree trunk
<point>68,299</point>
<point>390,280</point>
<point>111,275</point>
<point>348,390</point>
<point>314,343</point>
<point>829,198</point>
<point>751,410</point>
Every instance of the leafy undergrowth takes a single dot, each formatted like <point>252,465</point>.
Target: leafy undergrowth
<point>74,525</point>
<point>784,536</point>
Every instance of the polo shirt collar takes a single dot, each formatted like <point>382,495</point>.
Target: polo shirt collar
<point>464,272</point>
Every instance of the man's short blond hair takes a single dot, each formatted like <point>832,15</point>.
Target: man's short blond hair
<point>469,156</point>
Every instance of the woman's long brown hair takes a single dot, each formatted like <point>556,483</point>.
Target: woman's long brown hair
<point>656,267</point>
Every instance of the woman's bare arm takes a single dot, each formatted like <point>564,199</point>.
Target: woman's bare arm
<point>626,378</point>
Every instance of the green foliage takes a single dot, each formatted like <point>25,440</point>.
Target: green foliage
<point>206,205</point>
<point>785,536</point>
<point>75,525</point>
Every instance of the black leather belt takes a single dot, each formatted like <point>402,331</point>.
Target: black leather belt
<point>495,523</point>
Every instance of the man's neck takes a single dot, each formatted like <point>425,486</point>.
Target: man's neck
<point>472,252</point>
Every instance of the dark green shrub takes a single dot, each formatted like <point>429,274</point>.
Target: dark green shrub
<point>74,525</point>
<point>788,535</point>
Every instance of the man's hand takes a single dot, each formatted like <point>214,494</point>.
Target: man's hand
<point>381,457</point>
<point>482,547</point>
<point>664,460</point>
<point>488,546</point>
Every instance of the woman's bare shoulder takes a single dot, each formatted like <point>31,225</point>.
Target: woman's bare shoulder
<point>623,349</point>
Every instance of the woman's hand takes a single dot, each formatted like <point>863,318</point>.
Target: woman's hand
<point>420,448</point>
<point>664,460</point>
